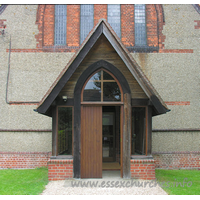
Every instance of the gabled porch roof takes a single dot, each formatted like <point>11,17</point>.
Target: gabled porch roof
<point>102,28</point>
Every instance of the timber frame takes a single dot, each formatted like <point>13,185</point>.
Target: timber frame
<point>153,103</point>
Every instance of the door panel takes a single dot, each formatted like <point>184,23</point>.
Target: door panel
<point>91,142</point>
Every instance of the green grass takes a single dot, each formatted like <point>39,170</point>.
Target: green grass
<point>23,181</point>
<point>172,181</point>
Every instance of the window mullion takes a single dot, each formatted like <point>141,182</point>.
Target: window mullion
<point>102,86</point>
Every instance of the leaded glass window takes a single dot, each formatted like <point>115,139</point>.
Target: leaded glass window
<point>101,87</point>
<point>138,136</point>
<point>114,18</point>
<point>140,25</point>
<point>64,130</point>
<point>60,24</point>
<point>87,20</point>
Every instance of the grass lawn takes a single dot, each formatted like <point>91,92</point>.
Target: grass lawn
<point>23,181</point>
<point>172,181</point>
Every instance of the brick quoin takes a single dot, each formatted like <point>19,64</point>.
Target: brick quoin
<point>2,25</point>
<point>197,26</point>
<point>39,22</point>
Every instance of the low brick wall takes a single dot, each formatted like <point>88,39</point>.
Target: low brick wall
<point>177,160</point>
<point>60,169</point>
<point>30,160</point>
<point>143,169</point>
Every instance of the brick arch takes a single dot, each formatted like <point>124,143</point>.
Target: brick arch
<point>155,22</point>
<point>39,22</point>
<point>160,24</point>
<point>45,22</point>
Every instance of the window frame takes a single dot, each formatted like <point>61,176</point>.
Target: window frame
<point>80,37</point>
<point>140,45</point>
<point>64,156</point>
<point>102,102</point>
<point>119,20</point>
<point>146,132</point>
<point>65,34</point>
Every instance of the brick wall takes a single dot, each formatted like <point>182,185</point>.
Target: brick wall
<point>60,169</point>
<point>45,22</point>
<point>127,25</point>
<point>152,30</point>
<point>197,26</point>
<point>2,26</point>
<point>143,169</point>
<point>14,160</point>
<point>49,26</point>
<point>177,160</point>
<point>73,25</point>
<point>100,12</point>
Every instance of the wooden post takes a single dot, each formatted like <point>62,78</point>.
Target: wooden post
<point>126,136</point>
<point>77,137</point>
<point>54,131</point>
<point>149,132</point>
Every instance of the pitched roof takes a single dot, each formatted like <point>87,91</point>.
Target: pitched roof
<point>102,28</point>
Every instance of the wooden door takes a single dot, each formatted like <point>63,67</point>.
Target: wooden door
<point>91,142</point>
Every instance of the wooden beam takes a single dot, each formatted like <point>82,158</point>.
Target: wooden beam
<point>127,136</point>
<point>69,72</point>
<point>123,55</point>
<point>140,102</point>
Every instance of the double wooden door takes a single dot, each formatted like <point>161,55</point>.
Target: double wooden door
<point>91,142</point>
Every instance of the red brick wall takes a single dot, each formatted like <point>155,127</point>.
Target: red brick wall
<point>100,12</point>
<point>127,24</point>
<point>60,169</point>
<point>176,160</point>
<point>152,26</point>
<point>23,159</point>
<point>143,169</point>
<point>49,25</point>
<point>73,25</point>
<point>2,26</point>
<point>197,26</point>
<point>45,22</point>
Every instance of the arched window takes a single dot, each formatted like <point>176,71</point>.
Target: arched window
<point>86,21</point>
<point>101,87</point>
<point>60,24</point>
<point>140,25</point>
<point>114,18</point>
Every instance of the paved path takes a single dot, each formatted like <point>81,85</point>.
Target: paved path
<point>109,185</point>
